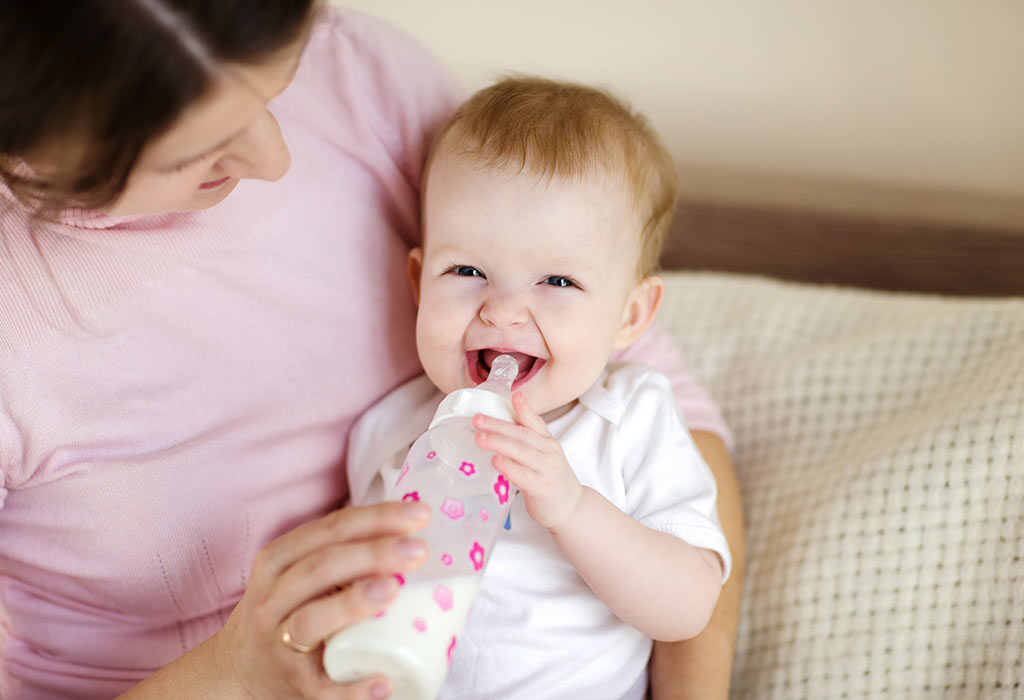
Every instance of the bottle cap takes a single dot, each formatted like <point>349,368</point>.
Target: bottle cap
<point>492,398</point>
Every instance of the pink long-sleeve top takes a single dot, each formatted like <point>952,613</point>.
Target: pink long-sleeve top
<point>176,390</point>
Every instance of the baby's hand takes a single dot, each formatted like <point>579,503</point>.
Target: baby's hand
<point>527,454</point>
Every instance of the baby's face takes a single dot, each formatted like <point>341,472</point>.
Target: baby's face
<point>543,269</point>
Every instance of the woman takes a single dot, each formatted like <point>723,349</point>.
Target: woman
<point>193,315</point>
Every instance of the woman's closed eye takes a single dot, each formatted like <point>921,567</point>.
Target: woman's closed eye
<point>185,164</point>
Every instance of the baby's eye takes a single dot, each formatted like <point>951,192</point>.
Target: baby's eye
<point>467,271</point>
<point>556,281</point>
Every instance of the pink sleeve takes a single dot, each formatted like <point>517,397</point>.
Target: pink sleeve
<point>657,349</point>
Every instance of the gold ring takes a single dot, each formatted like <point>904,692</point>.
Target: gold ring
<point>291,643</point>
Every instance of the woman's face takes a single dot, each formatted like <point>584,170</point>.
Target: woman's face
<point>225,136</point>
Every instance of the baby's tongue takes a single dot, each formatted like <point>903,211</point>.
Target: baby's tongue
<point>524,361</point>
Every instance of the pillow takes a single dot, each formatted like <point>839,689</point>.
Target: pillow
<point>880,451</point>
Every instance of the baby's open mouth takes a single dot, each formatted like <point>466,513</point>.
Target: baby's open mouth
<point>479,362</point>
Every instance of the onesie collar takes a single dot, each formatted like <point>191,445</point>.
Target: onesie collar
<point>606,403</point>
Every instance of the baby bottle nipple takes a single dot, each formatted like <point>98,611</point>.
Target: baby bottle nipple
<point>503,372</point>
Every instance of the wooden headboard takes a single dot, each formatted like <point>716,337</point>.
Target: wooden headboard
<point>877,252</point>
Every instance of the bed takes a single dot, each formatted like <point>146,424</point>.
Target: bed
<point>857,311</point>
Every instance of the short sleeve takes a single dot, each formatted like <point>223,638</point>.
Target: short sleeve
<point>668,486</point>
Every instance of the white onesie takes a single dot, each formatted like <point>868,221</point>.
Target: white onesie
<point>536,631</point>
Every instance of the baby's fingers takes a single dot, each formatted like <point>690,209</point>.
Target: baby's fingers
<point>517,432</point>
<point>526,416</point>
<point>519,475</point>
<point>509,446</point>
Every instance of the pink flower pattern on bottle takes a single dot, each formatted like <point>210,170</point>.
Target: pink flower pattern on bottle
<point>444,598</point>
<point>453,508</point>
<point>501,488</point>
<point>411,496</point>
<point>476,555</point>
<point>468,468</point>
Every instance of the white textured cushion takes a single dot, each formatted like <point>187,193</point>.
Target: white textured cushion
<point>880,449</point>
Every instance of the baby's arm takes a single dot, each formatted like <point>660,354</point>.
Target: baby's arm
<point>642,583</point>
<point>636,571</point>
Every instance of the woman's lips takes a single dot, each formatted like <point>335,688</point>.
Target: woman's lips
<point>214,183</point>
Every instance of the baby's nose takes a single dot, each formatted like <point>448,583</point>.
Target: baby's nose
<point>504,309</point>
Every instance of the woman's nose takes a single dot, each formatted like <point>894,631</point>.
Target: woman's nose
<point>259,152</point>
<point>504,309</point>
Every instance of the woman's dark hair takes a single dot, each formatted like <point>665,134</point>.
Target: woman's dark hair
<point>111,75</point>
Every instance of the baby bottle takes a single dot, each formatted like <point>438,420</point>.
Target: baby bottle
<point>414,639</point>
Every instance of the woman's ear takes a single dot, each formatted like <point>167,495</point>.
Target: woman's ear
<point>414,268</point>
<point>641,305</point>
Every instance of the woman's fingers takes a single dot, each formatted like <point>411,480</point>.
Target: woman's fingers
<point>373,688</point>
<point>335,565</point>
<point>349,524</point>
<point>318,619</point>
<point>305,678</point>
<point>309,583</point>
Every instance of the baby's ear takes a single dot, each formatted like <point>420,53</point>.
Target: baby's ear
<point>414,268</point>
<point>641,305</point>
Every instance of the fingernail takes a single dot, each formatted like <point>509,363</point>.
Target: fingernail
<point>380,690</point>
<point>378,591</point>
<point>411,549</point>
<point>414,510</point>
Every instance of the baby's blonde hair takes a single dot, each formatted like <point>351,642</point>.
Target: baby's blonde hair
<point>558,129</point>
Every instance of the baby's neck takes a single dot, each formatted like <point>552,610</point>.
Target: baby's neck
<point>556,413</point>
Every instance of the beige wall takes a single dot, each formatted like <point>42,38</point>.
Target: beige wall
<point>899,106</point>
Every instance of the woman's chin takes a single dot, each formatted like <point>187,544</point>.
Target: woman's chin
<point>196,200</point>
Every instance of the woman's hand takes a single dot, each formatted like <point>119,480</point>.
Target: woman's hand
<point>308,584</point>
<point>532,459</point>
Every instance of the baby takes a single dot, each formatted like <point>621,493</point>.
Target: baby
<point>544,208</point>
